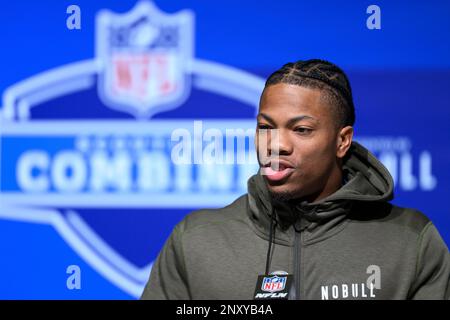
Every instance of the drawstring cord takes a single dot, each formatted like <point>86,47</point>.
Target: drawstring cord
<point>271,237</point>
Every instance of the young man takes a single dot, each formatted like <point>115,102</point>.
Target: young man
<point>318,209</point>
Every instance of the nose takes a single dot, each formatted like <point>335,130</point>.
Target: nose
<point>280,144</point>
<point>274,142</point>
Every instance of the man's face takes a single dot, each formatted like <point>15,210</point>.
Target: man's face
<point>308,140</point>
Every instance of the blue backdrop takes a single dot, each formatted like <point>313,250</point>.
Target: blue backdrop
<point>88,116</point>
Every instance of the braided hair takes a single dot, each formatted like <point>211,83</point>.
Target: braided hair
<point>323,75</point>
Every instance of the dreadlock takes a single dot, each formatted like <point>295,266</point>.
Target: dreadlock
<point>323,75</point>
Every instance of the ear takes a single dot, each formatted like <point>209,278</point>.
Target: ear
<point>344,141</point>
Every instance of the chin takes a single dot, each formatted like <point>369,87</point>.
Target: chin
<point>282,193</point>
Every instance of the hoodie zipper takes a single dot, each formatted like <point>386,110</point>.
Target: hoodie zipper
<point>297,258</point>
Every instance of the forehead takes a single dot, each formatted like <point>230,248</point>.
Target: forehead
<point>289,98</point>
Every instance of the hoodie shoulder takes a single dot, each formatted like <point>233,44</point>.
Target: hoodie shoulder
<point>204,217</point>
<point>385,212</point>
<point>410,218</point>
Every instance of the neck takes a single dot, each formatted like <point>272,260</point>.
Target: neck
<point>333,184</point>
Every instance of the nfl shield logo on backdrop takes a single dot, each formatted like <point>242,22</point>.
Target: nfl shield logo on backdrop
<point>145,58</point>
<point>103,183</point>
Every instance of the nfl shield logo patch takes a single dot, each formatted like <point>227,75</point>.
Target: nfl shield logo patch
<point>273,284</point>
<point>145,58</point>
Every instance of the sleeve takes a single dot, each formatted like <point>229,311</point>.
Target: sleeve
<point>168,279</point>
<point>432,281</point>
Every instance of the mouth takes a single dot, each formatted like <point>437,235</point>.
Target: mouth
<point>276,171</point>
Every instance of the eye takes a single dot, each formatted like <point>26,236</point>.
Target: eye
<point>303,130</point>
<point>262,126</point>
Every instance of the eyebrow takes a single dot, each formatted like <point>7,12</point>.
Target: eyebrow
<point>290,121</point>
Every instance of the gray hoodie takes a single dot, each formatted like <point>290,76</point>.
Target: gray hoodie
<point>353,244</point>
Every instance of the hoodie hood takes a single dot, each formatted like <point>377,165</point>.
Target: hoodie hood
<point>366,180</point>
